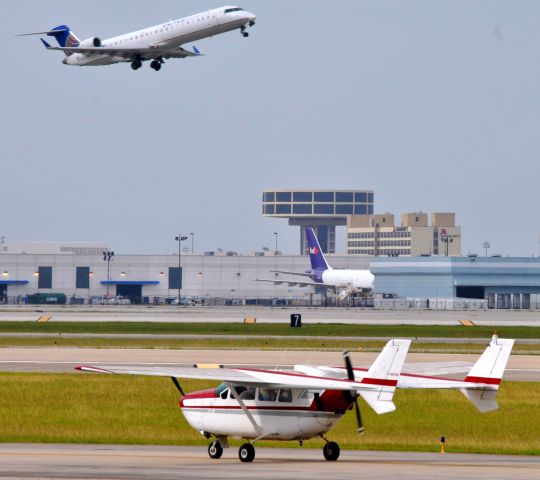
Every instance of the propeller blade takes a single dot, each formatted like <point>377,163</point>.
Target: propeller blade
<point>358,417</point>
<point>348,365</point>
<point>178,386</point>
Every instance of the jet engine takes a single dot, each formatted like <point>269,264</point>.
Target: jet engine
<point>91,42</point>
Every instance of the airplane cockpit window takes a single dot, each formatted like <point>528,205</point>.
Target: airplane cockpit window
<point>285,395</point>
<point>245,393</point>
<point>222,391</point>
<point>268,394</point>
<point>235,9</point>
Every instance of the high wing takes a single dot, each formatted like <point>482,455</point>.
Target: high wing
<point>377,386</point>
<point>128,53</point>
<point>240,376</point>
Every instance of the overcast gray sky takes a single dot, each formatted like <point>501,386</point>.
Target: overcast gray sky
<point>435,105</point>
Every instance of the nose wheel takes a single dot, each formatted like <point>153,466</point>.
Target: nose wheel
<point>331,451</point>
<point>246,453</point>
<point>215,450</point>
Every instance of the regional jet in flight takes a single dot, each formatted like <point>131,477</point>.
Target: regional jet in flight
<point>154,44</point>
<point>343,281</point>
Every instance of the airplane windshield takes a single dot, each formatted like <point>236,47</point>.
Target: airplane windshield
<point>235,9</point>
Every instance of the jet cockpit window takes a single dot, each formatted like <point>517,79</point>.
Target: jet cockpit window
<point>235,9</point>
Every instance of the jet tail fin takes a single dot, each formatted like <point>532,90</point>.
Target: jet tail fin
<point>316,256</point>
<point>385,372</point>
<point>486,374</point>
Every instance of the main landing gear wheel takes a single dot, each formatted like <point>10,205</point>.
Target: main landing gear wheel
<point>136,64</point>
<point>331,451</point>
<point>246,453</point>
<point>215,450</point>
<point>245,34</point>
<point>156,65</point>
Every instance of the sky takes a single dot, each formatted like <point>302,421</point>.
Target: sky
<point>433,105</point>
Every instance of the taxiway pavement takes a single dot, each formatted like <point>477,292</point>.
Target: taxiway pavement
<point>46,461</point>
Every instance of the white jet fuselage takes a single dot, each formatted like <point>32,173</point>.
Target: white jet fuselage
<point>353,279</point>
<point>169,35</point>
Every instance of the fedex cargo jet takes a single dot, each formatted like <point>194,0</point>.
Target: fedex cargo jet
<point>154,44</point>
<point>343,281</point>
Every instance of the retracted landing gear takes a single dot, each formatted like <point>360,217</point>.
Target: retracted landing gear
<point>331,451</point>
<point>246,453</point>
<point>215,450</point>
<point>156,64</point>
<point>243,31</point>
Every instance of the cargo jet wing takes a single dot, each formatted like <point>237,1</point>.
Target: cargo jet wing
<point>296,283</point>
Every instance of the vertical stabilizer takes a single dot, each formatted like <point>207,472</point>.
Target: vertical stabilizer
<point>486,374</point>
<point>385,372</point>
<point>64,36</point>
<point>316,256</point>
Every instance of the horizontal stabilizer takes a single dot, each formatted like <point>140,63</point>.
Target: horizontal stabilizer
<point>48,32</point>
<point>378,405</point>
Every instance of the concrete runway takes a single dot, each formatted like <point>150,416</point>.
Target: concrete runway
<point>134,313</point>
<point>49,359</point>
<point>27,461</point>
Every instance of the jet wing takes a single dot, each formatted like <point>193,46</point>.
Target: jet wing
<point>296,283</point>
<point>128,53</point>
<point>303,274</point>
<point>251,377</point>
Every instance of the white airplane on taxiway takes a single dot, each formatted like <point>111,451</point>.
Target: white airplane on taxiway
<point>257,404</point>
<point>152,44</point>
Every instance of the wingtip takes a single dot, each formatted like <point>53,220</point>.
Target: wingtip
<point>45,43</point>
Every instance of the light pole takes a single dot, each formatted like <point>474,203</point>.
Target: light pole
<point>180,239</point>
<point>107,257</point>
<point>486,245</point>
<point>276,235</point>
<point>192,242</point>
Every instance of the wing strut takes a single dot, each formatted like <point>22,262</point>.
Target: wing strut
<point>256,426</point>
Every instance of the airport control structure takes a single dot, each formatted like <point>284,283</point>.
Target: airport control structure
<point>416,264</point>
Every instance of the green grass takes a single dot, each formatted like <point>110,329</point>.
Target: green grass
<point>253,343</point>
<point>265,329</point>
<point>85,408</point>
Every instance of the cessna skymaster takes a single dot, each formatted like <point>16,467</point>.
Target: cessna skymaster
<point>342,281</point>
<point>154,44</point>
<point>307,402</point>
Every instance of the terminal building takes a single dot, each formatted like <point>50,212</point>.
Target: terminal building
<point>321,209</point>
<point>376,235</point>
<point>505,282</point>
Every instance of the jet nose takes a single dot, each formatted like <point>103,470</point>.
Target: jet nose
<point>251,18</point>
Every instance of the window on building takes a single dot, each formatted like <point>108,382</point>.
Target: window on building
<point>360,197</point>
<point>360,209</point>
<point>269,209</point>
<point>370,210</point>
<point>283,209</point>
<point>269,197</point>
<point>175,278</point>
<point>302,208</point>
<point>302,196</point>
<point>344,196</point>
<point>370,197</point>
<point>44,277</point>
<point>82,277</point>
<point>321,208</point>
<point>344,209</point>
<point>324,197</point>
<point>283,196</point>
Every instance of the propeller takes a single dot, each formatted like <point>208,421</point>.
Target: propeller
<point>350,375</point>
<point>178,386</point>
